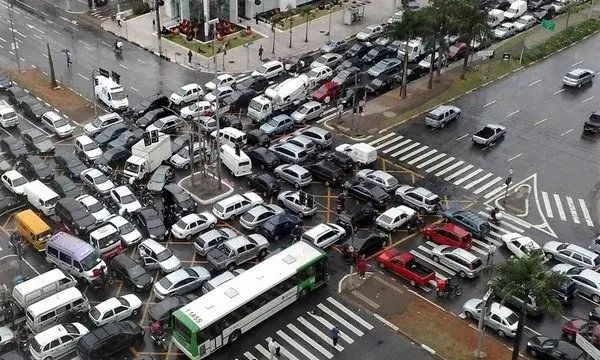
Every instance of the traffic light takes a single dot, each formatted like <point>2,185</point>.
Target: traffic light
<point>154,136</point>
<point>237,149</point>
<point>147,139</point>
<point>310,201</point>
<point>302,196</point>
<point>116,77</point>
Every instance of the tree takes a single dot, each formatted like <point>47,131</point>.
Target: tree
<point>525,277</point>
<point>275,20</point>
<point>288,15</point>
<point>308,12</point>
<point>429,31</point>
<point>470,20</point>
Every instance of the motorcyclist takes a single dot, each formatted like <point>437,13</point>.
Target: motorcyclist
<point>118,46</point>
<point>494,215</point>
<point>296,234</point>
<point>157,329</point>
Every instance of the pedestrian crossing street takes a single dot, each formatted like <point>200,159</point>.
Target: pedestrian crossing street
<point>469,177</point>
<point>309,336</point>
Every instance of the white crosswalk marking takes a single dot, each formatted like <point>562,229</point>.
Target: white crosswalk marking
<point>559,208</point>
<point>284,351</point>
<point>450,168</point>
<point>458,173</point>
<point>409,155</point>
<point>573,210</point>
<point>318,332</point>
<point>402,151</point>
<point>432,160</point>
<point>349,312</point>
<point>494,192</point>
<point>547,206</point>
<point>397,138</point>
<point>477,181</point>
<point>467,177</point>
<point>494,241</point>
<point>504,223</point>
<point>439,165</point>
<point>310,341</point>
<point>520,222</point>
<point>378,140</point>
<point>261,349</point>
<point>340,320</point>
<point>421,157</point>
<point>329,326</point>
<point>586,213</point>
<point>487,185</point>
<point>249,356</point>
<point>390,149</point>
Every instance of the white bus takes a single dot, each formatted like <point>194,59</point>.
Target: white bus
<point>225,313</point>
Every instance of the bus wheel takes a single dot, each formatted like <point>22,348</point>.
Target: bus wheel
<point>235,336</point>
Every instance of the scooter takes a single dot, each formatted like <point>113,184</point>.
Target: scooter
<point>495,216</point>
<point>447,287</point>
<point>160,340</point>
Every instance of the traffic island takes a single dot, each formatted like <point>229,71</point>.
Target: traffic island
<point>205,189</point>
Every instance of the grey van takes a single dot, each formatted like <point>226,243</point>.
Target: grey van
<point>290,153</point>
<point>474,223</point>
<point>440,116</point>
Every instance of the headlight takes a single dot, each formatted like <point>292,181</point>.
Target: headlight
<point>529,344</point>
<point>566,298</point>
<point>153,237</point>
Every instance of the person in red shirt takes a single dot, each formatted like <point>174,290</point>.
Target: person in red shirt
<point>362,268</point>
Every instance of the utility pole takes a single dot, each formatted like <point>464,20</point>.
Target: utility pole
<point>191,154</point>
<point>16,243</point>
<point>94,92</point>
<point>329,30</point>
<point>14,45</point>
<point>217,118</point>
<point>51,63</point>
<point>157,5</point>
<point>247,46</point>
<point>487,298</point>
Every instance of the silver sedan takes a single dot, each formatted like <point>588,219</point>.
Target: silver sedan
<point>181,282</point>
<point>259,214</point>
<point>291,200</point>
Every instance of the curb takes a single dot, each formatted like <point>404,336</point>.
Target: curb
<point>210,200</point>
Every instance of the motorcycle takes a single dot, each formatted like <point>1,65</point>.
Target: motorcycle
<point>160,340</point>
<point>118,50</point>
<point>495,216</point>
<point>447,287</point>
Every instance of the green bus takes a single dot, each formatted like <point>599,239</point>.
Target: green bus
<point>224,314</point>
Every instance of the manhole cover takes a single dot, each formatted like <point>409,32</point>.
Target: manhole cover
<point>389,114</point>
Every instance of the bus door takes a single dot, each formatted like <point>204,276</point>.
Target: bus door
<point>322,271</point>
<point>216,340</point>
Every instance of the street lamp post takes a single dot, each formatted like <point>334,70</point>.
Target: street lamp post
<point>487,298</point>
<point>507,182</point>
<point>94,92</point>
<point>329,28</point>
<point>14,44</point>
<point>247,47</point>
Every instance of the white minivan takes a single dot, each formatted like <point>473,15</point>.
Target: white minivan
<point>40,287</point>
<point>54,309</point>
<point>41,197</point>
<point>230,136</point>
<point>238,165</point>
<point>269,69</point>
<point>57,341</point>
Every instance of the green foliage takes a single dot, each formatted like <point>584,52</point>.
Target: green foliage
<point>141,9</point>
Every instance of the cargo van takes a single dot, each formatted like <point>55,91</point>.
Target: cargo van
<point>41,197</point>
<point>75,257</point>
<point>32,229</point>
<point>361,153</point>
<point>55,308</point>
<point>230,136</point>
<point>238,164</point>
<point>110,93</point>
<point>42,286</point>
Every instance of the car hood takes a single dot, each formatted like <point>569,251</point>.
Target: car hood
<point>93,154</point>
<point>90,128</point>
<point>44,145</point>
<point>574,325</point>
<point>178,159</point>
<point>510,237</point>
<point>267,128</point>
<point>142,281</point>
<point>537,340</point>
<point>44,172</point>
<point>216,255</point>
<point>155,186</point>
<point>552,246</point>
<point>170,265</point>
<point>472,304</point>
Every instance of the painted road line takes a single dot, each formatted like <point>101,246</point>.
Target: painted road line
<point>488,104</point>
<point>558,92</point>
<point>142,61</point>
<point>83,76</point>
<point>503,230</point>
<point>124,67</point>
<point>284,351</point>
<point>586,213</point>
<point>461,137</point>
<point>566,132</point>
<point>577,63</point>
<point>318,332</point>
<point>516,220</point>
<point>250,356</point>
<point>402,151</point>
<point>350,313</point>
<point>487,185</point>
<point>535,82</point>
<point>547,206</point>
<point>496,242</point>
<point>465,178</point>
<point>513,113</point>
<point>421,157</point>
<point>541,121</point>
<point>573,210</point>
<point>439,165</point>
<point>340,320</point>
<point>396,146</point>
<point>494,192</point>
<point>433,159</point>
<point>481,252</point>
<point>329,325</point>
<point>134,89</point>
<point>514,157</point>
<point>475,182</point>
<point>458,173</point>
<point>482,244</point>
<point>419,150</point>
<point>450,168</point>
<point>262,350</point>
<point>559,208</point>
<point>373,142</point>
<point>390,142</point>
<point>431,262</point>
<point>588,99</point>
<point>310,341</point>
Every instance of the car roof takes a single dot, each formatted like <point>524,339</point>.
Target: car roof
<point>442,108</point>
<point>87,199</point>
<point>190,86</point>
<point>579,71</point>
<point>108,304</point>
<point>318,230</point>
<point>93,172</point>
<point>395,211</point>
<point>153,245</point>
<point>123,190</point>
<point>13,174</point>
<point>453,228</point>
<point>53,115</point>
<point>502,311</point>
<point>463,253</point>
<point>237,242</point>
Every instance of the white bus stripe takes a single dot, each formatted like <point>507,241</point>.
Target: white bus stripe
<point>319,333</point>
<point>329,326</point>
<point>310,341</point>
<point>421,157</point>
<point>402,151</point>
<point>475,182</point>
<point>547,206</point>
<point>390,149</point>
<point>389,142</point>
<point>433,159</point>
<point>284,351</point>
<point>382,138</point>
<point>340,320</point>
<point>559,208</point>
<point>459,172</point>
<point>467,177</point>
<point>586,213</point>
<point>409,155</point>
<point>487,185</point>
<point>494,192</point>
<point>350,313</point>
<point>573,210</point>
<point>450,168</point>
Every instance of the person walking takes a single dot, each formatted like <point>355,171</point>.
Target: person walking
<point>190,56</point>
<point>335,335</point>
<point>361,267</point>
<point>272,349</point>
<point>119,21</point>
<point>260,52</point>
<point>69,62</point>
<point>153,24</point>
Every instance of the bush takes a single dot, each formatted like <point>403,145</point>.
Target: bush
<point>564,38</point>
<point>141,9</point>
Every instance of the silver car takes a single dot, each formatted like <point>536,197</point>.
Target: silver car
<point>259,214</point>
<point>291,200</point>
<point>308,111</point>
<point>181,281</point>
<point>572,254</point>
<point>321,137</point>
<point>304,143</point>
<point>219,93</point>
<point>578,77</point>
<point>213,238</point>
<point>381,178</point>
<point>181,160</point>
<point>238,250</point>
<point>294,174</point>
<point>466,264</point>
<point>499,318</point>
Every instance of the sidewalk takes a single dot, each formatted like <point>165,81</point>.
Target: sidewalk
<point>240,60</point>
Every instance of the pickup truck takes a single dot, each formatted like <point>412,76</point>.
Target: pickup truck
<point>592,125</point>
<point>406,266</point>
<point>489,134</point>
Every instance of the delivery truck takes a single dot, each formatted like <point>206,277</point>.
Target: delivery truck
<point>145,159</point>
<point>281,98</point>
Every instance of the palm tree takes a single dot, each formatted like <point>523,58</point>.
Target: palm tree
<point>275,20</point>
<point>470,20</point>
<point>524,277</point>
<point>308,13</point>
<point>408,28</point>
<point>429,32</point>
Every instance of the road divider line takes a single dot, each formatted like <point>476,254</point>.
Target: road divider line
<point>475,182</point>
<point>488,104</point>
<point>55,31</point>
<point>88,48</point>
<point>586,213</point>
<point>588,99</point>
<point>577,63</point>
<point>378,140</point>
<point>573,210</point>
<point>423,156</point>
<point>439,165</point>
<point>462,137</point>
<point>1,39</point>
<point>559,208</point>
<point>566,132</point>
<point>547,205</point>
<point>124,67</point>
<point>45,55</point>
<point>83,76</point>
<point>541,121</point>
<point>142,61</point>
<point>465,178</point>
<point>513,113</point>
<point>558,92</point>
<point>134,89</point>
<point>37,36</point>
<point>535,82</point>
<point>514,157</point>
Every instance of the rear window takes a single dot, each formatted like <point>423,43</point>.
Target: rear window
<point>328,136</point>
<point>596,260</point>
<point>433,116</point>
<point>219,208</point>
<point>301,154</point>
<point>305,175</point>
<point>385,219</point>
<point>432,201</point>
<point>476,264</point>
<point>245,163</point>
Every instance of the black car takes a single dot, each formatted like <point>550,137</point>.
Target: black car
<point>32,108</point>
<point>109,339</point>
<point>380,85</point>
<point>132,273</point>
<point>326,171</point>
<point>13,147</point>
<point>127,138</point>
<point>163,310</point>
<point>534,4</point>
<point>356,216</point>
<point>566,293</point>
<point>179,143</point>
<point>175,196</point>
<point>256,83</point>
<point>64,187</point>
<point>542,347</point>
<point>112,156</point>
<point>239,100</point>
<point>229,120</point>
<point>340,159</point>
<point>16,94</point>
<point>110,133</point>
<point>9,202</point>
<point>413,72</point>
<point>297,65</point>
<point>5,82</point>
<point>279,226</point>
<point>348,77</point>
<point>74,216</point>
<point>257,137</point>
<point>348,63</point>
<point>394,46</point>
<point>369,192</point>
<point>375,54</point>
<point>263,158</point>
<point>37,140</point>
<point>150,117</point>
<point>357,50</point>
<point>35,167</point>
<point>150,222</point>
<point>149,104</point>
<point>163,175</point>
<point>365,242</point>
<point>69,162</point>
<point>266,184</point>
<point>546,12</point>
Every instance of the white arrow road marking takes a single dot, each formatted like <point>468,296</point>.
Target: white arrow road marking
<point>561,211</point>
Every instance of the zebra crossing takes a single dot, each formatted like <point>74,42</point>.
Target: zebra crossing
<point>309,336</point>
<point>469,177</point>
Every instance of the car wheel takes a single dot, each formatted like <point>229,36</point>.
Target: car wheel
<point>399,200</point>
<point>532,352</point>
<point>232,217</point>
<point>327,184</point>
<point>422,211</point>
<point>596,298</point>
<point>189,117</point>
<point>186,167</point>
<point>235,336</point>
<point>135,312</point>
<point>501,333</point>
<point>428,237</point>
<point>297,186</point>
<point>549,256</point>
<point>231,267</point>
<point>262,253</point>
<point>248,183</point>
<point>319,147</point>
<point>189,237</point>
<point>278,175</point>
<point>327,99</point>
<point>277,237</point>
<point>300,215</point>
<point>413,283</point>
<point>436,259</point>
<point>569,337</point>
<point>211,226</point>
<point>303,293</point>
<point>462,274</point>
<point>468,315</point>
<point>262,167</point>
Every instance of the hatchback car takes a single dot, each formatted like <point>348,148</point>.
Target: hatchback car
<point>356,216</point>
<point>307,112</point>
<point>278,125</point>
<point>192,224</point>
<point>303,143</point>
<point>220,80</point>
<point>115,309</point>
<point>578,77</point>
<point>463,262</point>
<point>368,191</point>
<point>213,238</point>
<point>97,180</point>
<point>218,94</point>
<point>519,245</point>
<point>395,218</point>
<point>330,60</point>
<point>127,232</point>
<point>180,282</point>
<point>324,235</point>
<point>499,318</point>
<point>265,184</point>
<point>197,109</point>
<point>381,178</point>
<point>448,234</point>
<point>259,214</point>
<point>153,102</point>
<point>365,242</point>
<point>294,174</point>
<point>257,83</point>
<point>168,125</point>
<point>230,207</point>
<point>95,207</point>
<point>54,342</point>
<point>87,149</point>
<point>13,147</point>
<point>32,108</point>
<point>186,94</point>
<point>541,347</point>
<point>64,186</point>
<point>327,172</point>
<point>335,46</point>
<point>56,124</point>
<point>376,54</point>
<point>292,201</point>
<point>37,141</point>
<point>381,84</point>
<point>263,158</point>
<point>110,133</point>
<point>14,181</point>
<point>131,273</point>
<point>279,226</point>
<point>155,256</point>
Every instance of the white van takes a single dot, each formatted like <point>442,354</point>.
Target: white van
<point>495,17</point>
<point>361,153</point>
<point>41,197</point>
<point>110,93</point>
<point>230,136</point>
<point>75,256</point>
<point>239,165</point>
<point>40,287</point>
<point>56,341</point>
<point>515,10</point>
<point>54,309</point>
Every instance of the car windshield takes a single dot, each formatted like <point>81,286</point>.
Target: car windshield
<point>101,179</point>
<point>572,76</point>
<point>219,208</point>
<point>90,261</point>
<point>39,166</point>
<point>60,123</point>
<point>90,146</point>
<point>356,47</point>
<point>35,346</point>
<point>512,319</point>
<point>184,152</point>
<point>124,302</point>
<point>95,207</point>
<point>261,69</point>
<point>95,313</point>
<point>163,255</point>
<point>180,92</point>
<point>503,28</point>
<point>128,199</point>
<point>273,123</point>
<point>136,271</point>
<point>255,105</point>
<point>159,123</point>
<point>154,223</point>
<point>181,224</point>
<point>385,219</point>
<point>165,283</point>
<point>512,11</point>
<point>36,106</point>
<point>118,95</point>
<point>322,89</point>
<point>303,109</point>
<point>522,21</point>
<point>126,228</point>
<point>19,181</point>
<point>377,82</point>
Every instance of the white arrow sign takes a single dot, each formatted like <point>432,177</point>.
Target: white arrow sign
<point>34,28</point>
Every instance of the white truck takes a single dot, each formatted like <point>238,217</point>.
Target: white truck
<point>8,116</point>
<point>145,159</point>
<point>361,153</point>
<point>280,98</point>
<point>415,50</point>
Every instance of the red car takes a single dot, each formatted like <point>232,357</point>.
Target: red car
<point>326,92</point>
<point>449,234</point>
<point>457,51</point>
<point>589,329</point>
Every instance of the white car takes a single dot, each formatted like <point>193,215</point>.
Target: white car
<point>155,256</point>
<point>94,207</point>
<point>197,109</point>
<point>14,181</point>
<point>129,234</point>
<point>221,80</point>
<point>102,122</point>
<point>330,60</point>
<point>97,180</point>
<point>525,22</point>
<point>192,224</point>
<point>87,148</point>
<point>386,181</point>
<point>578,77</point>
<point>519,245</point>
<point>505,30</point>
<point>56,124</point>
<point>499,318</point>
<point>229,208</point>
<point>220,93</point>
<point>370,32</point>
<point>57,341</point>
<point>397,17</point>
<point>125,199</point>
<point>324,235</point>
<point>186,94</point>
<point>394,218</point>
<point>115,309</point>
